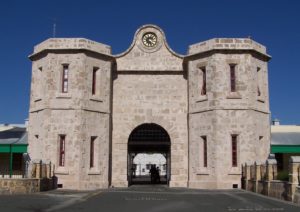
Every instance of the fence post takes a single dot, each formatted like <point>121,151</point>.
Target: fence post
<point>294,164</point>
<point>50,169</point>
<point>38,172</point>
<point>243,177</point>
<point>248,176</point>
<point>257,175</point>
<point>271,171</point>
<point>41,169</point>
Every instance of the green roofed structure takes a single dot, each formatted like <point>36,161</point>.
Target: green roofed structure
<point>13,144</point>
<point>285,142</point>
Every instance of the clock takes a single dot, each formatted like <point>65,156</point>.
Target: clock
<point>149,39</point>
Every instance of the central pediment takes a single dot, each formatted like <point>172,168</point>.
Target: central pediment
<point>149,51</point>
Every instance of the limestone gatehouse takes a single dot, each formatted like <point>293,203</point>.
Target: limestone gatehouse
<point>207,111</point>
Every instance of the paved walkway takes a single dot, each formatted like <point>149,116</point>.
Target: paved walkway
<point>154,198</point>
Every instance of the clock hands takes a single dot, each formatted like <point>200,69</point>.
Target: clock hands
<point>149,39</point>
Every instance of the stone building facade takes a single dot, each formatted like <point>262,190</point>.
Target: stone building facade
<point>207,111</point>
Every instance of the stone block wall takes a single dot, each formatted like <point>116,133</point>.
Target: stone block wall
<point>26,186</point>
<point>219,113</point>
<point>262,179</point>
<point>78,113</point>
<point>19,186</point>
<point>149,85</point>
<point>159,99</point>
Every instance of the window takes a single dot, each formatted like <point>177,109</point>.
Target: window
<point>258,81</point>
<point>203,89</point>
<point>92,151</point>
<point>65,78</point>
<point>62,141</point>
<point>204,151</point>
<point>39,84</point>
<point>234,150</point>
<point>94,80</point>
<point>148,166</point>
<point>232,78</point>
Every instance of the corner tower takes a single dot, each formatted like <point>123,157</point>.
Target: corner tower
<point>69,118</point>
<point>229,121</point>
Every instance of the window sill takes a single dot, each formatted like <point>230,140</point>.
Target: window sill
<point>261,99</point>
<point>63,96</point>
<point>96,99</point>
<point>94,171</point>
<point>62,171</point>
<point>203,171</point>
<point>202,98</point>
<point>234,95</point>
<point>234,171</point>
<point>37,99</point>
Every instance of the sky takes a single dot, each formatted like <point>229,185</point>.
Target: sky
<point>275,24</point>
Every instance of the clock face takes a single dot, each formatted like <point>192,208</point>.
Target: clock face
<point>149,39</point>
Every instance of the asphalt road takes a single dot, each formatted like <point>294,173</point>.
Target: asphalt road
<point>145,199</point>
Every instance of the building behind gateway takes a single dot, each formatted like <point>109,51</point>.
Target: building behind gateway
<point>92,112</point>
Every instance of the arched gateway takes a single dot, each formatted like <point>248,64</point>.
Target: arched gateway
<point>148,138</point>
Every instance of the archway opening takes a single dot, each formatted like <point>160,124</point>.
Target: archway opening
<point>149,157</point>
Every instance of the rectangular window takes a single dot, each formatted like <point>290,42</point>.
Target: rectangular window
<point>234,150</point>
<point>148,166</point>
<point>62,148</point>
<point>232,78</point>
<point>92,151</point>
<point>204,151</point>
<point>258,82</point>
<point>94,82</point>
<point>203,89</point>
<point>65,78</point>
<point>39,84</point>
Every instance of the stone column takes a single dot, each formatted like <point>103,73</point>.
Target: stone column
<point>271,172</point>
<point>294,169</point>
<point>257,176</point>
<point>248,176</point>
<point>38,170</point>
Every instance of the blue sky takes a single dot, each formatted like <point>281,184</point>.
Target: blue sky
<point>275,24</point>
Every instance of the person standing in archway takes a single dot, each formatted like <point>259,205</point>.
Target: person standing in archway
<point>153,173</point>
<point>158,174</point>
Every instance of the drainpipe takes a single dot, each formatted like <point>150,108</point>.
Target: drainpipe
<point>10,160</point>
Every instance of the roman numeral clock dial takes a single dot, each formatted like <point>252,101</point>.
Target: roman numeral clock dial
<point>149,39</point>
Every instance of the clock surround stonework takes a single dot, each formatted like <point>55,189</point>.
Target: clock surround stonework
<point>149,84</point>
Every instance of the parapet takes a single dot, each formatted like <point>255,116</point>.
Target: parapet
<point>71,44</point>
<point>227,44</point>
